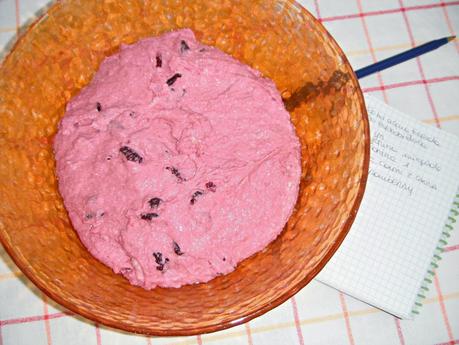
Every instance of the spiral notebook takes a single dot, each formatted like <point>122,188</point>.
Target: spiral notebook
<point>411,200</point>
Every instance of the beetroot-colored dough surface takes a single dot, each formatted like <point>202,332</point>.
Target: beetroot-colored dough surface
<point>176,162</point>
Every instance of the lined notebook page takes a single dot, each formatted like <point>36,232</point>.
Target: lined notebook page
<point>413,178</point>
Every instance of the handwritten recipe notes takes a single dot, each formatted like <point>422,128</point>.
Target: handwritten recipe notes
<point>403,156</point>
<point>413,179</point>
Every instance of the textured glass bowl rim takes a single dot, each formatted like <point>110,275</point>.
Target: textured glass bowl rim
<point>250,314</point>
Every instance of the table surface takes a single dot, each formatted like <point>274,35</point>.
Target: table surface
<point>426,88</point>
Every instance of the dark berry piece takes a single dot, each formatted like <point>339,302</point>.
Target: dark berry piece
<point>130,154</point>
<point>89,216</point>
<point>177,249</point>
<point>154,202</point>
<point>99,107</point>
<point>173,79</point>
<point>160,261</point>
<point>159,61</point>
<point>224,259</point>
<point>176,173</point>
<point>158,257</point>
<point>132,114</point>
<point>148,216</point>
<point>195,196</point>
<point>211,186</point>
<point>184,46</point>
<point>202,50</point>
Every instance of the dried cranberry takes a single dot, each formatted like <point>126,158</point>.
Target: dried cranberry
<point>160,261</point>
<point>195,196</point>
<point>211,186</point>
<point>177,249</point>
<point>148,216</point>
<point>130,154</point>
<point>176,173</point>
<point>159,61</point>
<point>173,79</point>
<point>154,202</point>
<point>184,46</point>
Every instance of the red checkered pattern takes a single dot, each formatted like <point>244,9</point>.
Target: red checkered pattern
<point>427,88</point>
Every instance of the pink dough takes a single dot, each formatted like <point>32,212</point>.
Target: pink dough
<point>176,162</point>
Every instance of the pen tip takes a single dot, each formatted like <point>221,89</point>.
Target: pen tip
<point>451,38</point>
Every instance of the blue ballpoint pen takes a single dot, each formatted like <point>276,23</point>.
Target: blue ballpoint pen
<point>402,57</point>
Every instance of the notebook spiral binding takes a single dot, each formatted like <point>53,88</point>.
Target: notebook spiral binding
<point>442,242</point>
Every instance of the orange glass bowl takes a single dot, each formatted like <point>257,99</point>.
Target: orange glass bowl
<point>60,53</point>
